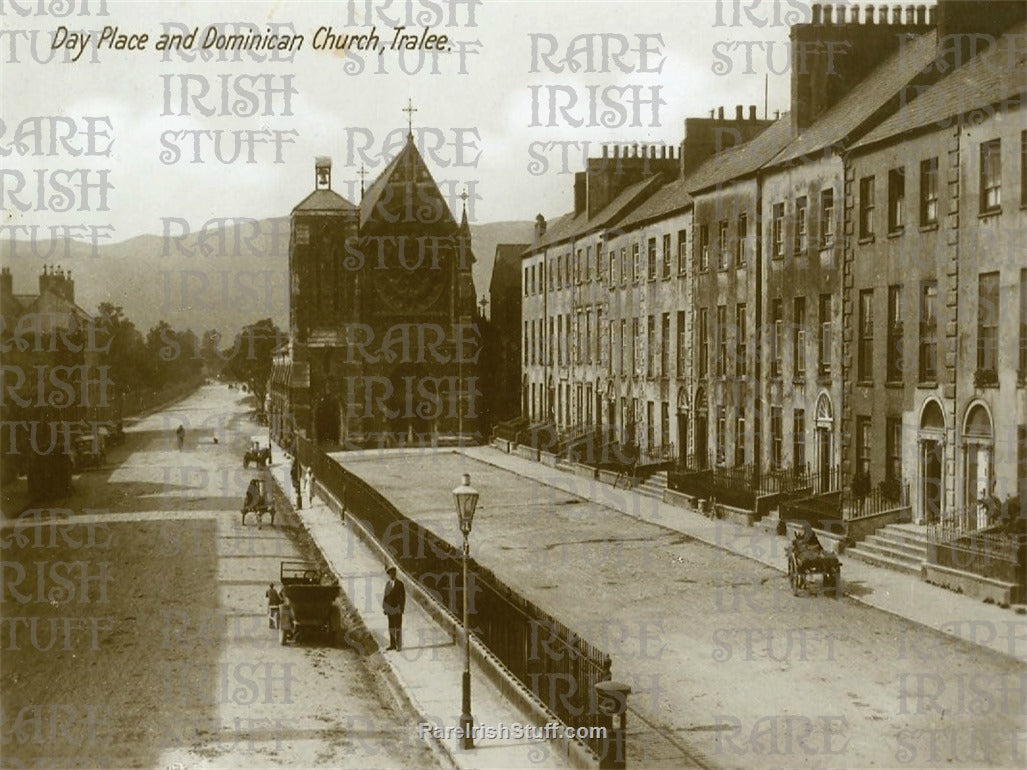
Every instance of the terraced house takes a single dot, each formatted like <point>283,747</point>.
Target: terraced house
<point>821,317</point>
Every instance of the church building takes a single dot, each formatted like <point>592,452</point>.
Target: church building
<point>384,340</point>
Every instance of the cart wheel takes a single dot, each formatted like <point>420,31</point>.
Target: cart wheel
<point>836,583</point>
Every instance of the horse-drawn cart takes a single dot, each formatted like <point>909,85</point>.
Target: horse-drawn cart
<point>308,607</point>
<point>259,500</point>
<point>807,560</point>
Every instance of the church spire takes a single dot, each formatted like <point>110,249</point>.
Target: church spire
<point>465,228</point>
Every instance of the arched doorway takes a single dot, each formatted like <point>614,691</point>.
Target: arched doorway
<point>326,420</point>
<point>978,463</point>
<point>931,459</point>
<point>611,411</point>
<point>825,441</point>
<point>702,423</point>
<point>682,420</point>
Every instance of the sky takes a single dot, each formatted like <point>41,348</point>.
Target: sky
<point>483,107</point>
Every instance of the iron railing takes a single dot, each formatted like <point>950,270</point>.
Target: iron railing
<point>554,663</point>
<point>996,555</point>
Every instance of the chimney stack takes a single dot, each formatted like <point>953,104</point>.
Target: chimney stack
<point>752,112</point>
<point>720,113</point>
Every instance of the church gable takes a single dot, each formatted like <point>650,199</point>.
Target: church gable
<point>406,197</point>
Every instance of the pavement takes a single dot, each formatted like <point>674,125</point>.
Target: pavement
<point>987,625</point>
<point>699,619</point>
<point>429,668</point>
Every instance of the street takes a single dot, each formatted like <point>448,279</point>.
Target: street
<point>727,667</point>
<point>135,632</point>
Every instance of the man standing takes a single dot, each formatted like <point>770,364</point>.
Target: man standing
<point>297,477</point>
<point>274,605</point>
<point>393,604</point>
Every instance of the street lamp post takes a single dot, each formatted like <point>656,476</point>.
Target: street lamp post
<point>466,498</point>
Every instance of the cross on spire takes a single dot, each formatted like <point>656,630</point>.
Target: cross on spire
<point>464,196</point>
<point>410,109</point>
<point>362,173</point>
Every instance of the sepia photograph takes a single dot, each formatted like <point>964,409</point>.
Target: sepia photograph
<point>502,384</point>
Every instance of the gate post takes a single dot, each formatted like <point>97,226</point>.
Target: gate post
<point>613,702</point>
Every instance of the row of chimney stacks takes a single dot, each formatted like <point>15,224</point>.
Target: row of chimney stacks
<point>639,151</point>
<point>739,112</point>
<point>919,15</point>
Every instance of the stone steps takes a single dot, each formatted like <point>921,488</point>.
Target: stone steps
<point>654,486</point>
<point>895,547</point>
<point>879,560</point>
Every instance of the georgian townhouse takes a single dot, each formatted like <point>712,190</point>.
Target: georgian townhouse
<point>938,310</point>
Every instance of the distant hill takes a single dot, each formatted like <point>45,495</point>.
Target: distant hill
<point>222,278</point>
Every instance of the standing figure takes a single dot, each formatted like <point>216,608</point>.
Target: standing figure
<point>180,435</point>
<point>274,605</point>
<point>393,604</point>
<point>308,482</point>
<point>296,473</point>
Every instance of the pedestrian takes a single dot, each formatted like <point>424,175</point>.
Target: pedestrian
<point>308,482</point>
<point>297,476</point>
<point>180,435</point>
<point>393,604</point>
<point>274,606</point>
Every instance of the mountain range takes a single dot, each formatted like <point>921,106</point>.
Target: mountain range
<point>224,277</point>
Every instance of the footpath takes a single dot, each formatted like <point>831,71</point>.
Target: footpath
<point>425,677</point>
<point>1001,630</point>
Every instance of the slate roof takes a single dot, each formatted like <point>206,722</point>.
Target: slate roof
<point>995,75</point>
<point>668,199</point>
<point>406,168</point>
<point>744,159</point>
<point>570,226</point>
<point>871,94</point>
<point>324,200</point>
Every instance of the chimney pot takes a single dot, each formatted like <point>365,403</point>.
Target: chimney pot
<point>712,112</point>
<point>816,13</point>
<point>828,11</point>
<point>720,113</point>
<point>921,15</point>
<point>616,151</point>
<point>739,109</point>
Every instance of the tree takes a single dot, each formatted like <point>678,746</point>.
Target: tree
<point>125,351</point>
<point>249,359</point>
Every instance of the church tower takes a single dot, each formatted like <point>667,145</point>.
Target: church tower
<point>320,292</point>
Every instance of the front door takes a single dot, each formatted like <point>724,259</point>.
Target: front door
<point>824,459</point>
<point>701,442</point>
<point>930,493</point>
<point>683,437</point>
